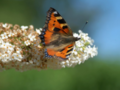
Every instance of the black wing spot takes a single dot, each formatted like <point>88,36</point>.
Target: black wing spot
<point>56,29</point>
<point>70,50</point>
<point>61,21</point>
<point>53,24</point>
<point>56,15</point>
<point>65,27</point>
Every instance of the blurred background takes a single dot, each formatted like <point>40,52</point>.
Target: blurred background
<point>99,73</point>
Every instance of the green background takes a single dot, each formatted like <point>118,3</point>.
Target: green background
<point>91,75</point>
<point>94,74</point>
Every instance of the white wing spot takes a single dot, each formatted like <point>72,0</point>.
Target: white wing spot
<point>55,12</point>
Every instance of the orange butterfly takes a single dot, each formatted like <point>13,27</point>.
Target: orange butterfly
<point>57,37</point>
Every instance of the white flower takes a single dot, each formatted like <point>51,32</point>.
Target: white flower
<point>27,42</point>
<point>31,62</point>
<point>0,55</point>
<point>16,56</point>
<point>79,31</point>
<point>1,41</point>
<point>18,50</point>
<point>74,52</point>
<point>24,27</point>
<point>94,52</point>
<point>76,35</point>
<point>10,47</point>
<point>38,31</point>
<point>88,50</point>
<point>90,41</point>
<point>4,25</point>
<point>31,37</point>
<point>79,43</point>
<point>5,57</point>
<point>79,61</point>
<point>81,49</point>
<point>10,34</point>
<point>4,36</point>
<point>91,51</point>
<point>6,48</point>
<point>4,45</point>
<point>14,32</point>
<point>85,57</point>
<point>84,35</point>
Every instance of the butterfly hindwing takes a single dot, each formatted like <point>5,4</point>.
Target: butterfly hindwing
<point>65,53</point>
<point>61,55</point>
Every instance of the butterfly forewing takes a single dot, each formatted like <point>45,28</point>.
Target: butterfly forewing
<point>56,22</point>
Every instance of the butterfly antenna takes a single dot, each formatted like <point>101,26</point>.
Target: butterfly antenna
<point>85,25</point>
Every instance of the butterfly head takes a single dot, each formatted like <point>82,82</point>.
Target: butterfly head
<point>76,38</point>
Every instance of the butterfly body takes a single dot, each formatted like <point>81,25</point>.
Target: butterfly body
<point>59,41</point>
<point>57,37</point>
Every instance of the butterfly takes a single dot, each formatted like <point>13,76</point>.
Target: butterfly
<point>57,37</point>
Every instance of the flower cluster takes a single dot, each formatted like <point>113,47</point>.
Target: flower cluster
<point>20,48</point>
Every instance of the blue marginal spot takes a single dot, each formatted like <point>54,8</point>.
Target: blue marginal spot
<point>44,30</point>
<point>43,43</point>
<point>41,36</point>
<point>42,40</point>
<point>43,33</point>
<point>46,54</point>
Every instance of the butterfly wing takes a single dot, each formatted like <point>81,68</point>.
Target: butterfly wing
<point>60,55</point>
<point>65,53</point>
<point>57,23</point>
<point>55,27</point>
<point>54,24</point>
